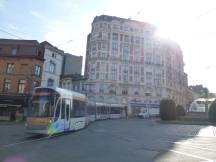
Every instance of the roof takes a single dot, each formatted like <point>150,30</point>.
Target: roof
<point>19,41</point>
<point>66,93</point>
<point>44,43</point>
<point>111,18</point>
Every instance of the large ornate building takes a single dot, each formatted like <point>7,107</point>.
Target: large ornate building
<point>127,64</point>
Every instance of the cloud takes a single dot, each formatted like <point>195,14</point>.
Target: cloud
<point>38,15</point>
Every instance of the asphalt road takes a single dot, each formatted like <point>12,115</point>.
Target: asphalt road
<point>132,140</point>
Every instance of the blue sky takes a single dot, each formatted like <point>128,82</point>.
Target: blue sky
<point>190,23</point>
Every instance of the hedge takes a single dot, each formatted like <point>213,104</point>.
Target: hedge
<point>212,112</point>
<point>180,111</point>
<point>167,109</point>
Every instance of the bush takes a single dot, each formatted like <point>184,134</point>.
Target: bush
<point>167,109</point>
<point>180,111</point>
<point>212,112</point>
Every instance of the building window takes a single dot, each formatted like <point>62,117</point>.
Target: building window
<point>94,47</point>
<point>54,55</point>
<point>115,36</point>
<point>21,86</point>
<point>92,71</point>
<point>115,46</point>
<point>14,51</point>
<point>10,68</point>
<point>125,72</point>
<point>36,84</point>
<point>124,92</point>
<point>102,76</point>
<point>148,57</point>
<point>37,70</point>
<point>7,85</point>
<point>113,72</point>
<point>158,59</point>
<point>136,78</point>
<point>52,67</point>
<point>68,85</point>
<point>136,92</point>
<point>137,40</point>
<point>149,76</point>
<point>126,38</point>
<point>101,88</point>
<point>158,79</point>
<point>50,82</point>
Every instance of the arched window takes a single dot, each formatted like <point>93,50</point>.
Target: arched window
<point>112,89</point>
<point>50,82</point>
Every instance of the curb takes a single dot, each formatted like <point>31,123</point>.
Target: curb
<point>186,123</point>
<point>2,123</point>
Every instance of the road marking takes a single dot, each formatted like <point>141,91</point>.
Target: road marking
<point>191,155</point>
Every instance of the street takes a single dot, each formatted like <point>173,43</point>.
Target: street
<point>132,140</point>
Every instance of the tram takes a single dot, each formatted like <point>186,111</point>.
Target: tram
<point>109,111</point>
<point>199,104</point>
<point>58,110</point>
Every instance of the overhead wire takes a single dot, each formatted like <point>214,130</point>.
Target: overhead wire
<point>11,34</point>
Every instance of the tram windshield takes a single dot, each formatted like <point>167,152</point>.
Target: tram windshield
<point>43,101</point>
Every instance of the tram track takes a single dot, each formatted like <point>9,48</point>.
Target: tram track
<point>30,139</point>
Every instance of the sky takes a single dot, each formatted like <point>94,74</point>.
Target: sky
<point>66,23</point>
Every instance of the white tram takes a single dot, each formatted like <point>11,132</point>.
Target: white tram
<point>199,104</point>
<point>58,110</point>
<point>109,111</point>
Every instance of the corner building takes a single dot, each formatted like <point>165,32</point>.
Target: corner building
<point>127,64</point>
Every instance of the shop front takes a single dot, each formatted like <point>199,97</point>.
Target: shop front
<point>13,107</point>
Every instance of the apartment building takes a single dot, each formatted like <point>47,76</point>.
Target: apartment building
<point>127,64</point>
<point>21,63</point>
<point>52,67</point>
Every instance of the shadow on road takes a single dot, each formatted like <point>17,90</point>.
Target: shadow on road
<point>186,144</point>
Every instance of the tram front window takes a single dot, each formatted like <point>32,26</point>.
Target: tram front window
<point>41,106</point>
<point>43,102</point>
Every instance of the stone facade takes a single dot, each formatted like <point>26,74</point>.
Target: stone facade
<point>52,68</point>
<point>74,82</point>
<point>126,63</point>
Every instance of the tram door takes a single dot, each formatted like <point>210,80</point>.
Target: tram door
<point>65,114</point>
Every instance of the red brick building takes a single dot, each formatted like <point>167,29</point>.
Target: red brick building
<point>21,63</point>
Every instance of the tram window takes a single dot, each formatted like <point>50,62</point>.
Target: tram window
<point>78,108</point>
<point>67,111</point>
<point>57,110</point>
<point>67,108</point>
<point>91,109</point>
<point>115,110</point>
<point>63,109</point>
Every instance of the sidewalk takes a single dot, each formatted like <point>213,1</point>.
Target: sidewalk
<point>187,122</point>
